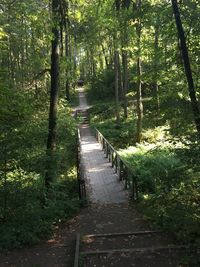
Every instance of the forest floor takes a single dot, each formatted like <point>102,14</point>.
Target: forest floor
<point>96,219</point>
<point>130,249</point>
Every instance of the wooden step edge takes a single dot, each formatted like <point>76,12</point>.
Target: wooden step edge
<point>122,234</point>
<point>77,251</point>
<point>141,250</point>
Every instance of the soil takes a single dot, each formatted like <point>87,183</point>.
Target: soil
<point>94,219</point>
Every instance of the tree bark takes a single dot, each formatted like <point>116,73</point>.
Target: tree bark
<point>120,79</point>
<point>105,57</point>
<point>125,80</point>
<point>139,103</point>
<point>139,82</point>
<point>51,141</point>
<point>186,61</point>
<point>116,66</point>
<point>155,82</point>
<point>67,51</point>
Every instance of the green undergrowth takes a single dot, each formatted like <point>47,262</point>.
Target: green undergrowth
<point>166,163</point>
<point>102,117</point>
<point>169,190</point>
<point>28,213</point>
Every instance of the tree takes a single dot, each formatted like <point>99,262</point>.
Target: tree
<point>139,73</point>
<point>116,66</point>
<point>186,61</point>
<point>125,42</point>
<point>51,141</point>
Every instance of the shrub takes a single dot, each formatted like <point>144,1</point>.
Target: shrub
<point>158,169</point>
<point>24,219</point>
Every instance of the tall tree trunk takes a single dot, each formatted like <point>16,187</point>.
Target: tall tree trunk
<point>116,66</point>
<point>105,57</point>
<point>120,81</point>
<point>139,83</point>
<point>186,61</point>
<point>124,41</point>
<point>51,141</point>
<point>139,102</point>
<point>125,80</point>
<point>155,82</point>
<point>61,38</point>
<point>67,50</point>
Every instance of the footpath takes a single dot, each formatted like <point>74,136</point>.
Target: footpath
<point>108,232</point>
<point>115,234</point>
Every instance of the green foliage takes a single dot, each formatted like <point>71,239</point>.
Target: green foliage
<point>102,86</point>
<point>27,211</point>
<point>24,220</point>
<point>178,211</point>
<point>158,169</point>
<point>103,117</point>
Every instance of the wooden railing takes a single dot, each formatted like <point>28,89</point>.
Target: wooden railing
<point>80,170</point>
<point>125,173</point>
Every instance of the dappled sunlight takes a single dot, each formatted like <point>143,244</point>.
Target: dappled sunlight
<point>159,133</point>
<point>88,146</point>
<point>97,169</point>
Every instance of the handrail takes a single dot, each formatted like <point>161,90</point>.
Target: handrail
<point>80,170</point>
<point>126,174</point>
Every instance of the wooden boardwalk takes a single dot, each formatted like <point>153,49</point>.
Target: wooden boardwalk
<point>111,233</point>
<point>102,182</point>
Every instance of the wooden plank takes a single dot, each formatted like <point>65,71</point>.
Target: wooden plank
<point>123,234</point>
<point>77,251</point>
<point>141,250</point>
<point>105,146</point>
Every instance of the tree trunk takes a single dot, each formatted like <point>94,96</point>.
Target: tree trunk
<point>105,57</point>
<point>139,103</point>
<point>155,82</point>
<point>186,61</point>
<point>67,51</point>
<point>116,66</point>
<point>125,80</point>
<point>51,141</point>
<point>139,83</point>
<point>120,81</point>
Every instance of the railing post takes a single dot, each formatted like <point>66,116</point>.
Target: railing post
<point>136,188</point>
<point>116,163</point>
<point>80,172</point>
<point>133,187</point>
<point>126,177</point>
<point>112,158</point>
<point>109,152</point>
<point>120,170</point>
<point>106,149</point>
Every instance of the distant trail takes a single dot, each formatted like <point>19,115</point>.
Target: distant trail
<point>103,183</point>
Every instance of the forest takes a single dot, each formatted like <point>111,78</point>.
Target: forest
<point>140,63</point>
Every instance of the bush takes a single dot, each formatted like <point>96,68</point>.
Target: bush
<point>158,169</point>
<point>27,211</point>
<point>24,219</point>
<point>178,212</point>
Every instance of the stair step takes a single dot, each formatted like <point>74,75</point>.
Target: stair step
<point>137,258</point>
<point>124,233</point>
<point>133,250</point>
<point>141,248</point>
<point>136,240</point>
